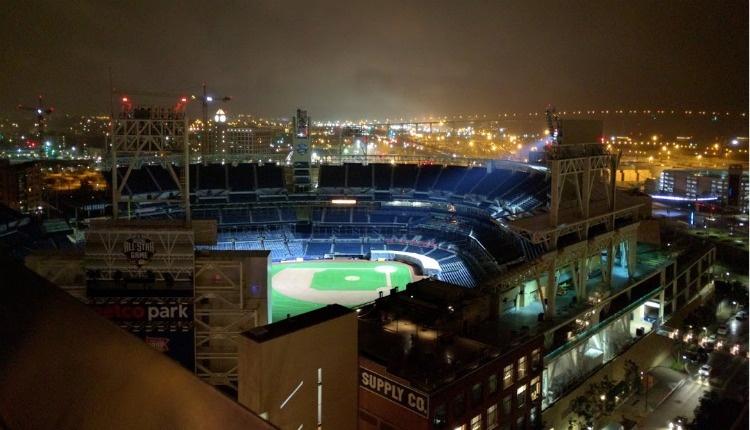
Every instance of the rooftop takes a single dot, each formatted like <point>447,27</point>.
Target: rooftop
<point>295,323</point>
<point>419,334</point>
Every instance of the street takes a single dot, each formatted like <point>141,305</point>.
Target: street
<point>728,374</point>
<point>682,402</point>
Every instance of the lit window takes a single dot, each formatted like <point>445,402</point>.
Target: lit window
<point>521,396</point>
<point>461,427</point>
<point>476,422</point>
<point>508,376</point>
<point>536,388</point>
<point>521,368</point>
<point>492,417</point>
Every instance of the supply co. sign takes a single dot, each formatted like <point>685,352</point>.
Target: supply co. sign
<point>394,391</point>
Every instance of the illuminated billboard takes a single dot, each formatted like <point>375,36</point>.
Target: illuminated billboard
<point>164,323</point>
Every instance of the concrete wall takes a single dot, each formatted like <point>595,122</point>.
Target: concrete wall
<point>270,371</point>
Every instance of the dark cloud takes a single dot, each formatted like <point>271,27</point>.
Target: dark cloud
<point>354,59</point>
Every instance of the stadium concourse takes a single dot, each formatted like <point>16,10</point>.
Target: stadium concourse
<point>452,215</point>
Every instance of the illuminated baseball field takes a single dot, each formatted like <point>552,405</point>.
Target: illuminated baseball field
<point>305,286</point>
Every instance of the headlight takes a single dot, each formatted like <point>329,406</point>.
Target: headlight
<point>671,425</point>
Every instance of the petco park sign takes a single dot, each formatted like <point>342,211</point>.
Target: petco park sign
<point>145,312</point>
<point>394,391</point>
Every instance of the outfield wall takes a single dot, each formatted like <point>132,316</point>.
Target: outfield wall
<point>428,266</point>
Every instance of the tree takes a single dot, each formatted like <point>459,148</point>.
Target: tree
<point>584,408</point>
<point>715,412</point>
<point>598,401</point>
<point>632,376</point>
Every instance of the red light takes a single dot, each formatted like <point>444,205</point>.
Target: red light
<point>184,99</point>
<point>124,99</point>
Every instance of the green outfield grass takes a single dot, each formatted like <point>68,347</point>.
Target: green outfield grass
<point>305,286</point>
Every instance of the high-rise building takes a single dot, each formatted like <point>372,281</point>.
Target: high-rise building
<point>21,185</point>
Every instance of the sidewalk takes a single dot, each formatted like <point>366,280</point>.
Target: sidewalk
<point>664,381</point>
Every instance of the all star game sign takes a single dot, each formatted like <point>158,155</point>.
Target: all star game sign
<point>138,249</point>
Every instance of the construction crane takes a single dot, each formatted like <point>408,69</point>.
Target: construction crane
<point>41,112</point>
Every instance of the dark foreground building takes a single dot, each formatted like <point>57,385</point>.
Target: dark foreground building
<point>62,366</point>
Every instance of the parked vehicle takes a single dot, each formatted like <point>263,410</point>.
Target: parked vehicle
<point>722,330</point>
<point>704,371</point>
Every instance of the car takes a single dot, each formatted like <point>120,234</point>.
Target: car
<point>691,356</point>
<point>741,316</point>
<point>722,330</point>
<point>704,371</point>
<point>678,423</point>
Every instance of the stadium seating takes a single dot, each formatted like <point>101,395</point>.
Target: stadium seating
<point>450,202</point>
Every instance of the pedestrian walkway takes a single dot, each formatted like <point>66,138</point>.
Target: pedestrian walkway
<point>662,382</point>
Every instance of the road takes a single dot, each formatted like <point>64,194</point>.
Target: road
<point>682,402</point>
<point>729,374</point>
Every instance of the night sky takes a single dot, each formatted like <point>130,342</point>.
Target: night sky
<point>364,59</point>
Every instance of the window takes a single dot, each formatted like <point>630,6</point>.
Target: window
<point>536,389</point>
<point>459,405</point>
<point>320,397</point>
<point>506,405</point>
<point>492,417</point>
<point>521,367</point>
<point>440,419</point>
<point>461,427</point>
<point>521,396</point>
<point>536,358</point>
<point>476,394</point>
<point>492,384</point>
<point>476,422</point>
<point>507,376</point>
<point>533,416</point>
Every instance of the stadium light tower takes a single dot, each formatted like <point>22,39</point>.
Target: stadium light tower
<point>150,134</point>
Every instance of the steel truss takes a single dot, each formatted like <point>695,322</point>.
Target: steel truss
<point>173,253</point>
<point>160,137</point>
<point>222,313</point>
